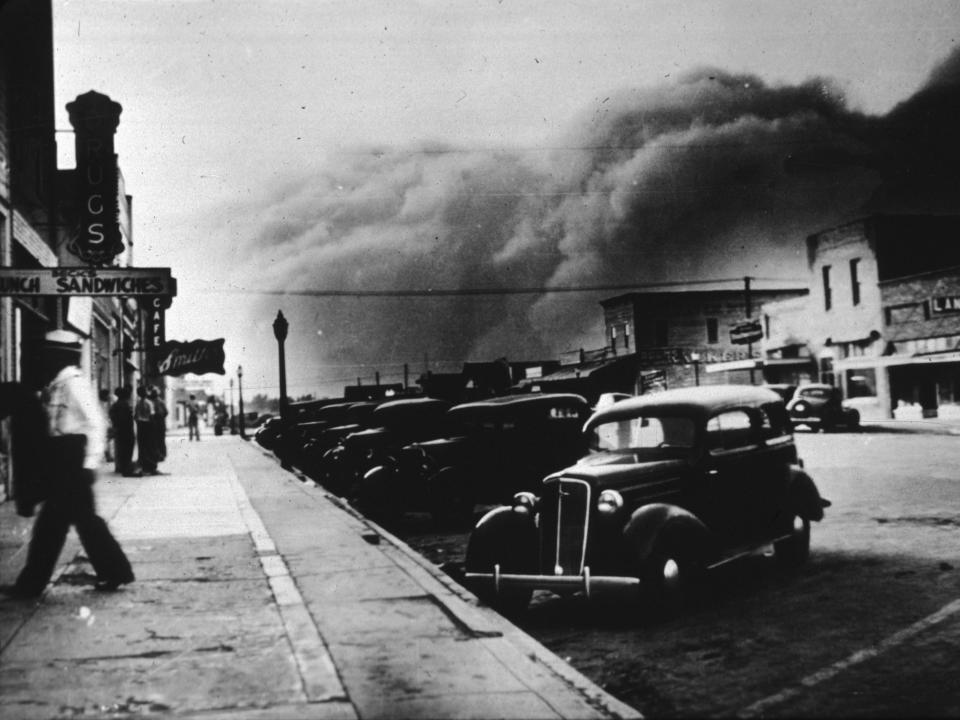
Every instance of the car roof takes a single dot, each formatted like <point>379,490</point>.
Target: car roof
<point>816,386</point>
<point>394,406</point>
<point>702,402</point>
<point>523,402</point>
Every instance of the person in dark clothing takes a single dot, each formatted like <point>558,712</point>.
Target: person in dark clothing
<point>76,444</point>
<point>28,445</point>
<point>121,419</point>
<point>193,418</point>
<point>146,443</point>
<point>160,423</point>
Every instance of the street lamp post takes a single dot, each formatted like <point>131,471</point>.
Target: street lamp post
<point>280,327</point>
<point>240,399</point>
<point>233,419</point>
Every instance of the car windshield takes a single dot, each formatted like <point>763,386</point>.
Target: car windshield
<point>644,433</point>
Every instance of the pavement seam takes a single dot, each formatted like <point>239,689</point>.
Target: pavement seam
<point>758,708</point>
<point>318,674</point>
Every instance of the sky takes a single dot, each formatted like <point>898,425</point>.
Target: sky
<point>519,160</point>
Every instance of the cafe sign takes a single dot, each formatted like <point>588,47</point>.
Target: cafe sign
<point>97,282</point>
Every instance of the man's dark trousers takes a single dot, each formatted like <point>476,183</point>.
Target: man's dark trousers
<point>70,502</point>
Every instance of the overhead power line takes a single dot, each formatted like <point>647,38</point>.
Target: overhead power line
<point>535,290</point>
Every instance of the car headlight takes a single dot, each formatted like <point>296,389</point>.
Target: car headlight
<point>524,503</point>
<point>609,502</point>
<point>800,407</point>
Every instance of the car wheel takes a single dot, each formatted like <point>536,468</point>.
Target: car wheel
<point>794,550</point>
<point>853,421</point>
<point>484,552</point>
<point>671,578</point>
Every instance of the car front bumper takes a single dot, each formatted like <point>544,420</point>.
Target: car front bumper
<point>557,583</point>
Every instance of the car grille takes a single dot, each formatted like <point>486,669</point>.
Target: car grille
<point>564,523</point>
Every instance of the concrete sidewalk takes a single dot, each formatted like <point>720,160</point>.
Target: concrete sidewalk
<point>259,596</point>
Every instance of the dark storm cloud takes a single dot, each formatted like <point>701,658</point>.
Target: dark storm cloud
<point>715,175</point>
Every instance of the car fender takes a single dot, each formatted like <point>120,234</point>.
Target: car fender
<point>376,487</point>
<point>500,534</point>
<point>803,497</point>
<point>650,522</point>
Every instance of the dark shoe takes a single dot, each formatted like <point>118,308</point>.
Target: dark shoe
<point>111,585</point>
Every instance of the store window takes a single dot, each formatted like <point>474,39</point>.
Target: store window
<point>861,383</point>
<point>827,291</point>
<point>712,331</point>
<point>855,280</point>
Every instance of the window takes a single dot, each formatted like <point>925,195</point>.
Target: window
<point>827,292</point>
<point>712,333</point>
<point>855,280</point>
<point>728,430</point>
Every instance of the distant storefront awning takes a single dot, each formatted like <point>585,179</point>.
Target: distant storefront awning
<point>748,364</point>
<point>859,363</point>
<point>788,362</point>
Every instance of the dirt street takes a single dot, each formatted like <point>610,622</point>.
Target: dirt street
<point>870,627</point>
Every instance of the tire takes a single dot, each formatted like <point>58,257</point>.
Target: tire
<point>794,550</point>
<point>853,420</point>
<point>484,551</point>
<point>671,578</point>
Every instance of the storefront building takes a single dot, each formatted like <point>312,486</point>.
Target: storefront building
<point>694,336</point>
<point>879,321</point>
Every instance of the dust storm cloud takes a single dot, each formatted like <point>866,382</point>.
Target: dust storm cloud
<point>710,176</point>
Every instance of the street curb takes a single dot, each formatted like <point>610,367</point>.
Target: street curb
<point>467,609</point>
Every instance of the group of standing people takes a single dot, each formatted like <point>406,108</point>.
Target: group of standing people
<point>144,424</point>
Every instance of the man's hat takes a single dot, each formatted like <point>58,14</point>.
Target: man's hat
<point>62,340</point>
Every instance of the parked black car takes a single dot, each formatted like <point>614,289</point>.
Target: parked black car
<point>392,425</point>
<point>294,436</point>
<point>675,483</point>
<point>820,407</point>
<point>493,448</point>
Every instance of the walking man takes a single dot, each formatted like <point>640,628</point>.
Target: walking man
<point>76,447</point>
<point>193,418</point>
<point>160,423</point>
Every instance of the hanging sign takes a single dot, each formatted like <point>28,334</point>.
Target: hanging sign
<point>746,332</point>
<point>197,356</point>
<point>66,281</point>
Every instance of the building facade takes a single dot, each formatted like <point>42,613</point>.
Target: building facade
<point>40,209</point>
<point>882,320</point>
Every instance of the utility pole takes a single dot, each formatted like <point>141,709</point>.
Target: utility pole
<point>748,302</point>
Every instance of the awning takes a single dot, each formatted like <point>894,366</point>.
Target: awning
<point>859,363</point>
<point>787,362</point>
<point>748,364</point>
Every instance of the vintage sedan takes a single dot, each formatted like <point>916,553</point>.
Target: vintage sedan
<point>391,426</point>
<point>675,483</point>
<point>821,407</point>
<point>492,449</point>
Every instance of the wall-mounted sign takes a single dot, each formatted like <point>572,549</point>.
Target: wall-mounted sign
<point>197,356</point>
<point>87,281</point>
<point>97,239</point>
<point>746,332</point>
<point>945,304</point>
<point>154,334</point>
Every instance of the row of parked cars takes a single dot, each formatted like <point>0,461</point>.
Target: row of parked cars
<point>647,492</point>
